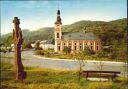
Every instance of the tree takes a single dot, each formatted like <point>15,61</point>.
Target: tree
<point>81,62</point>
<point>100,66</point>
<point>20,74</point>
<point>37,45</point>
<point>26,45</point>
<point>67,50</point>
<point>8,41</point>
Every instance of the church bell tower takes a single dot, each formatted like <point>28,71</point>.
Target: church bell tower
<point>58,32</point>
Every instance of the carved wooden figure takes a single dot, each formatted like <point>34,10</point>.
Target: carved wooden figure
<point>20,74</point>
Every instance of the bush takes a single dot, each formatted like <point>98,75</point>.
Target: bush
<point>37,45</point>
<point>44,52</point>
<point>67,50</point>
<point>39,52</point>
<point>88,51</point>
<point>101,54</point>
<point>113,56</point>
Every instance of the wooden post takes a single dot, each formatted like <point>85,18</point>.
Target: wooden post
<point>20,74</point>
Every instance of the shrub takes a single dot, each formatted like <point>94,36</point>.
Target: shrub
<point>26,45</point>
<point>88,51</point>
<point>37,45</point>
<point>67,50</point>
<point>39,52</point>
<point>44,52</point>
<point>101,54</point>
<point>113,56</point>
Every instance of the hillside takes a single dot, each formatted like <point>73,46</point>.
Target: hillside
<point>107,31</point>
<point>112,34</point>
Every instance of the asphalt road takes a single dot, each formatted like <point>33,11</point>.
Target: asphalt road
<point>29,59</point>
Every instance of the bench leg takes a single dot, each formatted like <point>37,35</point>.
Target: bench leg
<point>86,75</point>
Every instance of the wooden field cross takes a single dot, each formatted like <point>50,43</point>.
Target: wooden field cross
<point>20,74</point>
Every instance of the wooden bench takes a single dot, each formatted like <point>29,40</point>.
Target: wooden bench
<point>100,74</point>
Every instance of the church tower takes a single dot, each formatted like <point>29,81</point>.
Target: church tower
<point>58,32</point>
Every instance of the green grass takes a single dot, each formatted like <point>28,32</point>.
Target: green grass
<point>40,78</point>
<point>50,54</point>
<point>71,57</point>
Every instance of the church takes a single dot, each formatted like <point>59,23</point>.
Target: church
<point>76,41</point>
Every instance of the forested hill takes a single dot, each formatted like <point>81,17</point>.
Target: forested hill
<point>109,32</point>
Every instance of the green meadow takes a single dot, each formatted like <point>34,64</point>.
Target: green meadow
<point>40,78</point>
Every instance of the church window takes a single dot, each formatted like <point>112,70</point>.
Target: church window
<point>70,47</point>
<point>86,44</point>
<point>57,35</point>
<point>80,47</point>
<point>75,43</point>
<point>97,48</point>
<point>58,48</point>
<point>70,43</point>
<point>91,47</point>
<point>74,47</point>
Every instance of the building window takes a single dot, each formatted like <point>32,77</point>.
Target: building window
<point>75,43</point>
<point>70,47</point>
<point>58,48</point>
<point>74,47</point>
<point>80,46</point>
<point>86,44</point>
<point>64,44</point>
<point>70,44</point>
<point>57,35</point>
<point>91,47</point>
<point>97,48</point>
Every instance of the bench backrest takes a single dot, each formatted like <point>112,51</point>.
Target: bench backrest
<point>101,72</point>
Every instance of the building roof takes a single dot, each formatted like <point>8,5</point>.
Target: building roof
<point>79,36</point>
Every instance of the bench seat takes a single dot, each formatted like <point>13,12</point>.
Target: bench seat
<point>100,74</point>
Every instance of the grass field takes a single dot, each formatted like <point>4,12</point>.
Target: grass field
<point>39,78</point>
<point>49,54</point>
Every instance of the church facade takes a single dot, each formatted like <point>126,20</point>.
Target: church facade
<point>77,41</point>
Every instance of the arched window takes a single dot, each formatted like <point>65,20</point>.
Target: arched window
<point>80,46</point>
<point>97,48</point>
<point>85,44</point>
<point>74,47</point>
<point>58,48</point>
<point>91,47</point>
<point>57,35</point>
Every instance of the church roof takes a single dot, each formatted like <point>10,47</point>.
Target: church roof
<point>79,36</point>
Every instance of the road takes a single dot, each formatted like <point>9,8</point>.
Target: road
<point>35,61</point>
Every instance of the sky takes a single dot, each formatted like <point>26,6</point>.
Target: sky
<point>42,13</point>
